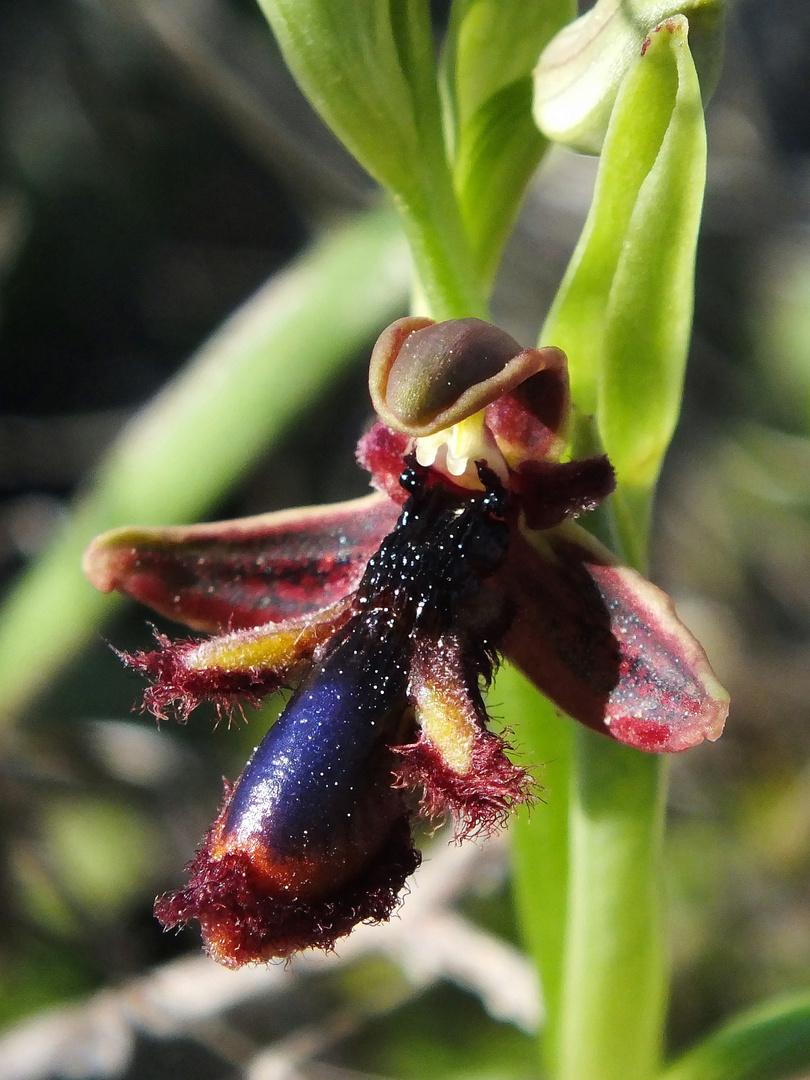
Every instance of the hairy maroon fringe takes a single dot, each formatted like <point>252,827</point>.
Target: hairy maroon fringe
<point>243,922</point>
<point>177,690</point>
<point>480,800</point>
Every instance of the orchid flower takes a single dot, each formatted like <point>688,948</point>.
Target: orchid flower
<point>387,616</point>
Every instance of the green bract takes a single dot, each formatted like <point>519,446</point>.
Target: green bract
<point>581,70</point>
<point>491,48</point>
<point>368,67</point>
<point>624,310</point>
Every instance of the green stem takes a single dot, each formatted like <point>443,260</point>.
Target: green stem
<point>448,284</point>
<point>609,1022</point>
<point>540,839</point>
<point>630,516</point>
<point>588,873</point>
<point>614,982</point>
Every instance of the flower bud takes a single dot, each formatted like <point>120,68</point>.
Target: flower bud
<point>579,73</point>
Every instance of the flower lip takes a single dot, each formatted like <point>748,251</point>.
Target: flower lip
<point>314,836</point>
<point>244,920</point>
<point>305,787</point>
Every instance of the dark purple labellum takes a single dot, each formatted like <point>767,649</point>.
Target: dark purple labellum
<point>314,837</point>
<point>303,793</point>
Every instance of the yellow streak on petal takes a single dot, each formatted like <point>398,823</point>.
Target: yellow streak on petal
<point>260,648</point>
<point>447,726</point>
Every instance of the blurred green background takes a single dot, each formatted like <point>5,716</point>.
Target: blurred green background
<point>157,166</point>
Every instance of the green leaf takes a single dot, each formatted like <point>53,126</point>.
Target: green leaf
<point>580,72</point>
<point>498,150</point>
<point>490,51</point>
<point>624,310</point>
<point>368,67</point>
<point>770,1042</point>
<point>178,456</point>
<point>648,321</point>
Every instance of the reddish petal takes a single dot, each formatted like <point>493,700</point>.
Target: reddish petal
<point>530,422</point>
<point>459,766</point>
<point>607,646</point>
<point>551,491</point>
<point>235,574</point>
<point>382,452</point>
<point>243,666</point>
